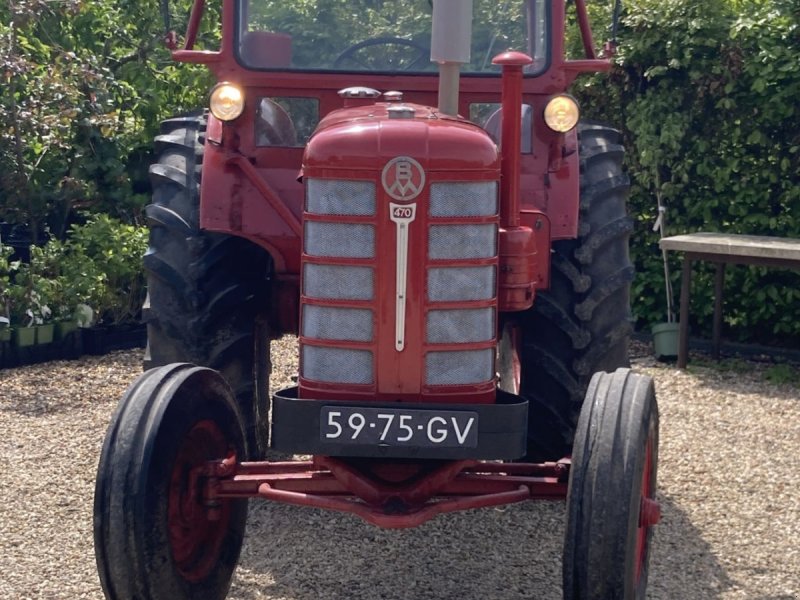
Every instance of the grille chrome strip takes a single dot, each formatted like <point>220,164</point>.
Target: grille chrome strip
<point>402,216</point>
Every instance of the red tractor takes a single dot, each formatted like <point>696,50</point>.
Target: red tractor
<point>426,211</point>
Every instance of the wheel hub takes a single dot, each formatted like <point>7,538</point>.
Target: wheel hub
<point>649,513</point>
<point>196,532</point>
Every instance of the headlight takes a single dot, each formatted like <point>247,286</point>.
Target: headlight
<point>227,101</point>
<point>561,113</point>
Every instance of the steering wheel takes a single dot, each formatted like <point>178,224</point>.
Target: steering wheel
<point>384,54</point>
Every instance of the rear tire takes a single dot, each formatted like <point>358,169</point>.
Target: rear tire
<point>611,508</point>
<point>208,293</point>
<point>153,537</point>
<point>581,324</point>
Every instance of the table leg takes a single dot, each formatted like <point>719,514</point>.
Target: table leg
<point>683,333</point>
<point>719,283</point>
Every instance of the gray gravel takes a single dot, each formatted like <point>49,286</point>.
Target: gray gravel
<point>729,487</point>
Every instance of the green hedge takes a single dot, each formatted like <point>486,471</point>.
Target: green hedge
<point>706,95</point>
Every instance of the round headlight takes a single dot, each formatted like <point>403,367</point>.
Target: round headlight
<point>227,101</point>
<point>561,113</point>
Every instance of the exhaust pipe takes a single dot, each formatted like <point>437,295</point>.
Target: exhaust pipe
<point>451,38</point>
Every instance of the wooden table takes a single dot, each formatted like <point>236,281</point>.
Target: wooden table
<point>722,249</point>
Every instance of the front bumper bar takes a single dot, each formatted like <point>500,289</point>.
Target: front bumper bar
<point>502,429</point>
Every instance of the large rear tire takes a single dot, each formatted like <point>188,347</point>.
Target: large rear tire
<point>154,537</point>
<point>581,325</point>
<point>208,293</point>
<point>611,506</point>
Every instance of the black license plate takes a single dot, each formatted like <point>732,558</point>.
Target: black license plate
<point>399,427</point>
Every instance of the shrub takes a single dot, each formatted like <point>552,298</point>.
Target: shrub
<point>99,265</point>
<point>5,282</point>
<point>102,267</point>
<point>705,93</point>
<point>33,291</point>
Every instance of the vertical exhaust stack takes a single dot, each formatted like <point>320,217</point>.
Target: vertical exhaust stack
<point>450,47</point>
<point>517,241</point>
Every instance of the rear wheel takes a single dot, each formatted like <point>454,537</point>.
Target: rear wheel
<point>611,506</point>
<point>207,293</point>
<point>154,536</point>
<point>581,324</point>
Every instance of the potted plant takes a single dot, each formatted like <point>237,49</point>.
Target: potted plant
<point>30,299</point>
<point>23,325</point>
<point>5,283</point>
<point>106,256</point>
<point>59,268</point>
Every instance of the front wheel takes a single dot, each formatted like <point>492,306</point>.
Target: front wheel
<point>154,537</point>
<point>611,506</point>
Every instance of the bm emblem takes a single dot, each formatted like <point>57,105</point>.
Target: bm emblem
<point>403,178</point>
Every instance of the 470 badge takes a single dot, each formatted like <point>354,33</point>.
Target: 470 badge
<point>399,427</point>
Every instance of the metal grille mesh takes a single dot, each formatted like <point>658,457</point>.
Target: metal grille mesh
<point>461,283</point>
<point>459,368</point>
<point>338,197</point>
<point>462,241</point>
<point>460,326</point>
<point>333,323</point>
<point>346,240</point>
<point>464,199</point>
<point>337,365</point>
<point>337,282</point>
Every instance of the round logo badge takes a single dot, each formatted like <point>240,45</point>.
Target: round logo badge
<point>403,178</point>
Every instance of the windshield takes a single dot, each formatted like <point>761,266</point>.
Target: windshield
<point>381,36</point>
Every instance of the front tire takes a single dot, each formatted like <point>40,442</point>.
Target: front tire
<point>208,293</point>
<point>154,539</point>
<point>611,506</point>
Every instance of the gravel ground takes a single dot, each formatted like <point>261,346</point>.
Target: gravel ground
<point>729,486</point>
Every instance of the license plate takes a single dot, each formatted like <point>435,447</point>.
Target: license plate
<point>399,427</point>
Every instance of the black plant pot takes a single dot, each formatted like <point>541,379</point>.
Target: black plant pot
<point>102,340</point>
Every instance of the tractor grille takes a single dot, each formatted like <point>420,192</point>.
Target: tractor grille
<point>462,241</point>
<point>464,199</point>
<point>459,367</point>
<point>460,326</point>
<point>341,240</point>
<point>349,286</point>
<point>337,365</point>
<point>331,323</point>
<point>349,313</point>
<point>338,282</point>
<point>336,197</point>
<point>461,283</point>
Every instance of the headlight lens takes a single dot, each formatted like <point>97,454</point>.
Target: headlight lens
<point>561,113</point>
<point>227,101</point>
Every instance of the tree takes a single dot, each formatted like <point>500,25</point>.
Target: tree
<point>86,84</point>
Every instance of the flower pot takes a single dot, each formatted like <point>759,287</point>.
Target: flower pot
<point>101,340</point>
<point>665,340</point>
<point>45,333</point>
<point>5,334</point>
<point>64,328</point>
<point>24,337</point>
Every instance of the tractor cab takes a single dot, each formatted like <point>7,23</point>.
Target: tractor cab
<point>383,37</point>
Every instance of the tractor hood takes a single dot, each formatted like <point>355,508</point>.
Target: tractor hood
<point>366,137</point>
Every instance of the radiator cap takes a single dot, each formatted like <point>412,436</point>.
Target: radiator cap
<point>400,112</point>
<point>359,91</point>
<point>393,96</point>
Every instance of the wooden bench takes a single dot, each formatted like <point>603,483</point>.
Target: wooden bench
<point>722,249</point>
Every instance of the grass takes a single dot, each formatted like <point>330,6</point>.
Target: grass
<point>779,374</point>
<point>783,374</point>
